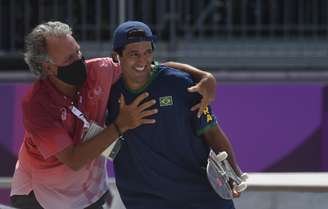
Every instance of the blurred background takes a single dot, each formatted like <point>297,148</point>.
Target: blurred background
<point>269,57</point>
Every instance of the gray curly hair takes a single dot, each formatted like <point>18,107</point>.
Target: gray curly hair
<point>36,44</point>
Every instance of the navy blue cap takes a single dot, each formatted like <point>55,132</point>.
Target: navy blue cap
<point>131,32</point>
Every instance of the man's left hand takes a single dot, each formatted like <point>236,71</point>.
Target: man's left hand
<point>235,194</point>
<point>207,88</point>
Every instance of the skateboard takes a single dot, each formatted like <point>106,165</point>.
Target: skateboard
<point>220,172</point>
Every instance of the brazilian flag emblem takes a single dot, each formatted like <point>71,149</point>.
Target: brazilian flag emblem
<point>165,101</point>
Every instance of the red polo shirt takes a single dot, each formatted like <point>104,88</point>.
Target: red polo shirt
<point>50,127</point>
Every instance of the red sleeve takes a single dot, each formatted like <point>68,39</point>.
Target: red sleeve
<point>45,129</point>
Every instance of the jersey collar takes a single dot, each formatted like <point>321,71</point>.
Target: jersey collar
<point>153,75</point>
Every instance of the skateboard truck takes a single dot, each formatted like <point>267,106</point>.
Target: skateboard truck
<point>220,172</point>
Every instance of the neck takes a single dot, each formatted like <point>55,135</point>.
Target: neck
<point>64,88</point>
<point>136,86</point>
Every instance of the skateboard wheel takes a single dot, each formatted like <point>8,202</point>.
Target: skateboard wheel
<point>244,176</point>
<point>240,187</point>
<point>222,156</point>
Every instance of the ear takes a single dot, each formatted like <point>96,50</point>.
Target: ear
<point>49,68</point>
<point>116,57</point>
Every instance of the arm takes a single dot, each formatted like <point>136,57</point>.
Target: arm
<point>206,85</point>
<point>195,72</point>
<point>218,141</point>
<point>130,116</point>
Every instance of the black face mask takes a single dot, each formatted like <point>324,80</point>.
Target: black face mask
<point>73,74</point>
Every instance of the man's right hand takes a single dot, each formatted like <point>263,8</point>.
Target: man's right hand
<point>135,114</point>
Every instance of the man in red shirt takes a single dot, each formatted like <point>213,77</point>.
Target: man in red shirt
<point>56,167</point>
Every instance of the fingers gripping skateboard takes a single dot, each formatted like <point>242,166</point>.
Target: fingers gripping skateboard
<point>240,187</point>
<point>220,172</point>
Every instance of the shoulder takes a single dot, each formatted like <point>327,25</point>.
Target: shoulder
<point>37,105</point>
<point>101,63</point>
<point>99,60</point>
<point>38,92</point>
<point>102,69</point>
<point>117,87</point>
<point>173,75</point>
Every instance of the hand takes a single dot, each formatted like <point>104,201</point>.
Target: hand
<point>134,115</point>
<point>235,194</point>
<point>207,88</point>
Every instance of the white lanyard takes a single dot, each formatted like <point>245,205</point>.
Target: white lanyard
<point>80,115</point>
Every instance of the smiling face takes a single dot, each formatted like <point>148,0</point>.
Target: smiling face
<point>136,63</point>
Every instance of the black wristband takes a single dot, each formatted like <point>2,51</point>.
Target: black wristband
<point>120,135</point>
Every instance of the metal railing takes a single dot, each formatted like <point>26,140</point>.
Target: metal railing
<point>199,26</point>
